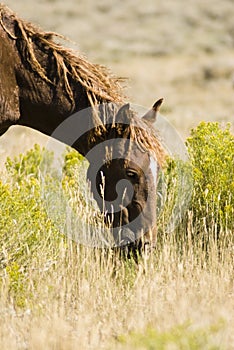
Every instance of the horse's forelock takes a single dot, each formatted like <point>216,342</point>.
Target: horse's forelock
<point>147,140</point>
<point>129,126</point>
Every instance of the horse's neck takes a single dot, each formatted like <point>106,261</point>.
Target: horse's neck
<point>47,108</point>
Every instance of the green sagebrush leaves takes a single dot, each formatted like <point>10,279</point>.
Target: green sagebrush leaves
<point>211,149</point>
<point>174,191</point>
<point>27,235</point>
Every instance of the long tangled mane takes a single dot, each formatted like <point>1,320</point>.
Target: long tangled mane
<point>96,80</point>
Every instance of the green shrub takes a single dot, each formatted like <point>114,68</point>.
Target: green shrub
<point>28,237</point>
<point>174,194</point>
<point>211,149</point>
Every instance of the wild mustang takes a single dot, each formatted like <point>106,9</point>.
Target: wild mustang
<point>44,85</point>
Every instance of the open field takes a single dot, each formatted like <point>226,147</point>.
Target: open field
<point>56,294</point>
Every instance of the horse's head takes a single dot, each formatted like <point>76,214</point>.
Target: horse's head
<point>124,181</point>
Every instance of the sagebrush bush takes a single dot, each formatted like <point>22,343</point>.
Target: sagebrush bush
<point>174,193</point>
<point>27,234</point>
<point>211,149</point>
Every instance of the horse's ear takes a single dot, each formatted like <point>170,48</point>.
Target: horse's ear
<point>151,115</point>
<point>123,113</point>
<point>124,108</point>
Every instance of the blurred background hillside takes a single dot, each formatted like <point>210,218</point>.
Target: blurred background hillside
<point>181,50</point>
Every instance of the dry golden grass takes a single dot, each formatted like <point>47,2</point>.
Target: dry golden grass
<point>87,299</point>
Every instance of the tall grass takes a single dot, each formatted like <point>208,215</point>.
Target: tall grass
<point>59,294</point>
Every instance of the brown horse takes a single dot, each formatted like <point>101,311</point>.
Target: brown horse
<point>51,89</point>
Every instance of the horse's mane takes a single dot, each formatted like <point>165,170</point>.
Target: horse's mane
<point>97,81</point>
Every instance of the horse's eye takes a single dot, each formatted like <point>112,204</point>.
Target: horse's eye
<point>132,174</point>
